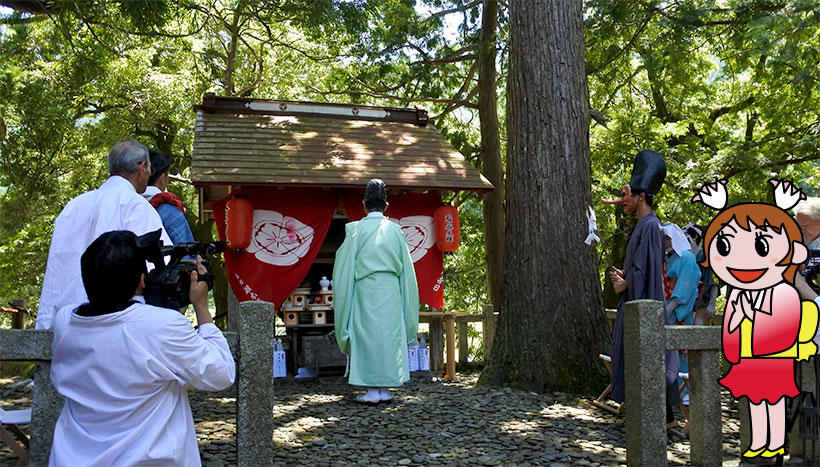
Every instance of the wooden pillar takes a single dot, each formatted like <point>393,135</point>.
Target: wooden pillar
<point>489,325</point>
<point>18,320</point>
<point>463,342</point>
<point>450,325</point>
<point>436,345</point>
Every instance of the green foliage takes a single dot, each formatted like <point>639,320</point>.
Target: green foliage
<point>464,270</point>
<point>721,89</point>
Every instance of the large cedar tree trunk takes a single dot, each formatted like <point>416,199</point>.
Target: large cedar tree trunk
<point>552,325</point>
<point>491,153</point>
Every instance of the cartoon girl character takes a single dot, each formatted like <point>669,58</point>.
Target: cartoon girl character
<point>756,249</point>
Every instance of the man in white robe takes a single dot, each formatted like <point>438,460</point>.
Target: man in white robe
<point>123,366</point>
<point>116,205</point>
<point>375,299</point>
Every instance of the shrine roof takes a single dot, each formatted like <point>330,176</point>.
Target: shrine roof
<point>253,142</point>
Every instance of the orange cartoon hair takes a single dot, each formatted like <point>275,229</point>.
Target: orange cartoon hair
<point>761,215</point>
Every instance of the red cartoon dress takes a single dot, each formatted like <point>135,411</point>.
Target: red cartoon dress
<point>762,352</point>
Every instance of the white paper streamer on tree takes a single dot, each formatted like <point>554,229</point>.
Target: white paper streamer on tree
<point>591,237</point>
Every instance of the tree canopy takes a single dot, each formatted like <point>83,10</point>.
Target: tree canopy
<point>725,88</point>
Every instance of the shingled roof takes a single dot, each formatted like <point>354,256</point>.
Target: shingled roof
<point>252,142</point>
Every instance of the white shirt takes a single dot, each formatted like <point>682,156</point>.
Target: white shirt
<point>123,376</point>
<point>115,205</point>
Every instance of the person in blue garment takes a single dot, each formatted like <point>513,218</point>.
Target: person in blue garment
<point>376,299</point>
<point>708,288</point>
<point>682,266</point>
<point>168,205</point>
<point>642,273</point>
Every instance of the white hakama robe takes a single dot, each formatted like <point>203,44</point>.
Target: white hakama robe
<point>124,376</point>
<point>115,205</point>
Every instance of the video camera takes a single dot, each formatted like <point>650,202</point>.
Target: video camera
<point>812,269</point>
<point>167,285</point>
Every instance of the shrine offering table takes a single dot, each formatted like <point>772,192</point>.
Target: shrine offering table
<point>449,318</point>
<point>311,348</point>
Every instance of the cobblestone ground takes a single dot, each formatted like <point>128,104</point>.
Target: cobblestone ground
<point>428,422</point>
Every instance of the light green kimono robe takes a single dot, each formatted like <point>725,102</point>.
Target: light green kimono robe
<point>375,302</point>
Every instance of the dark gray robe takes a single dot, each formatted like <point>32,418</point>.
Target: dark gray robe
<point>643,268</point>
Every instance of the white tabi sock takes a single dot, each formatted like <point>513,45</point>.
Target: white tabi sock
<point>372,395</point>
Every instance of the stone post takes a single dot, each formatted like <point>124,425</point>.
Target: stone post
<point>46,407</point>
<point>798,447</point>
<point>233,311</point>
<point>35,345</point>
<point>704,407</point>
<point>254,401</point>
<point>644,371</point>
<point>745,419</point>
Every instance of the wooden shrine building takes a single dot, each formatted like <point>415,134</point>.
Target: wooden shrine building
<point>304,166</point>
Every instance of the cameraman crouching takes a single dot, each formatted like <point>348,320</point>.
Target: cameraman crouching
<point>807,213</point>
<point>123,366</point>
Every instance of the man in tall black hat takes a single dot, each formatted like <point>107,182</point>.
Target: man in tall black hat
<point>642,274</point>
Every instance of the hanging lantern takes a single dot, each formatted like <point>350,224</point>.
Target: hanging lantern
<point>238,223</point>
<point>448,228</point>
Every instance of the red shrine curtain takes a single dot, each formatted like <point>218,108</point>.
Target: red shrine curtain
<point>289,227</point>
<point>414,212</point>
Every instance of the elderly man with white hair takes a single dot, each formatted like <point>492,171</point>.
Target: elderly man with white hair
<point>115,205</point>
<point>807,213</point>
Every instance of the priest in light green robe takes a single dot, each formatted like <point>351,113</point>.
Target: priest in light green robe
<point>375,299</point>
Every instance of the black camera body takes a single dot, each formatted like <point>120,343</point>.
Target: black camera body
<point>812,269</point>
<point>167,285</point>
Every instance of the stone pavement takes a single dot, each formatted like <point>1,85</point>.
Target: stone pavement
<point>428,422</point>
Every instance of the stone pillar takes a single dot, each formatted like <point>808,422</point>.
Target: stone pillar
<point>254,401</point>
<point>489,330</point>
<point>704,408</point>
<point>47,404</point>
<point>808,382</point>
<point>644,371</point>
<point>233,311</point>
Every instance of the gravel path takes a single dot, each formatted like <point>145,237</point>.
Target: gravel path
<point>428,422</point>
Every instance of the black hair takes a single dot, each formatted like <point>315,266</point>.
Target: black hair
<point>692,232</point>
<point>649,198</point>
<point>160,163</point>
<point>375,195</point>
<point>111,268</point>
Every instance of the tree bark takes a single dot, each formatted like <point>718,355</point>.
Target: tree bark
<point>552,326</point>
<point>490,156</point>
